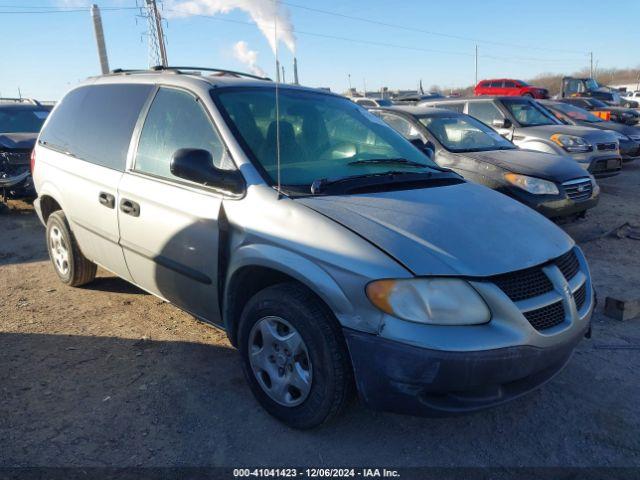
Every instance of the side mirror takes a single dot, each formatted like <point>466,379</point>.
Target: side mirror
<point>196,165</point>
<point>501,123</point>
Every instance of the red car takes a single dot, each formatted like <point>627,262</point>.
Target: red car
<point>507,86</point>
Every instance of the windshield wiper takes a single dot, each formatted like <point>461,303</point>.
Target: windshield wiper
<point>320,185</point>
<point>396,161</point>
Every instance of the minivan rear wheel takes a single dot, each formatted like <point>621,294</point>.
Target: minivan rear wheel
<point>294,356</point>
<point>71,266</point>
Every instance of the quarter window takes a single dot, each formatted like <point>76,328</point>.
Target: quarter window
<point>95,123</point>
<point>486,112</point>
<point>176,120</point>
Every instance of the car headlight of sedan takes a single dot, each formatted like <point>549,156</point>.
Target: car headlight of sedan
<point>571,143</point>
<point>635,138</point>
<point>534,185</point>
<point>433,301</point>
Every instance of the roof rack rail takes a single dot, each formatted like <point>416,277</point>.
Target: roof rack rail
<point>207,69</point>
<point>160,68</point>
<point>32,101</point>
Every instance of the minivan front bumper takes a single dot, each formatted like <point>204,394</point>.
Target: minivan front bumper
<point>401,378</point>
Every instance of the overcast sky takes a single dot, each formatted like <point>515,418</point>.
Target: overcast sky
<point>45,54</point>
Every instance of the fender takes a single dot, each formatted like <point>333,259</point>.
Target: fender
<point>300,268</point>
<point>48,189</point>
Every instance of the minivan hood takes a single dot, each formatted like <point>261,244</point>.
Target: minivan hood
<point>463,229</point>
<point>12,141</point>
<point>556,168</point>
<point>545,131</point>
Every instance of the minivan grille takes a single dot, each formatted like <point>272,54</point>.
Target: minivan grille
<point>533,282</point>
<point>546,317</point>
<point>523,284</point>
<point>568,264</point>
<point>607,146</point>
<point>580,296</point>
<point>578,190</point>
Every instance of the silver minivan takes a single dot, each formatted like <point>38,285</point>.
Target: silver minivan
<point>335,254</point>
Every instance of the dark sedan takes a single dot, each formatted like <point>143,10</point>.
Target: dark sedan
<point>605,111</point>
<point>554,185</point>
<point>20,122</point>
<point>628,136</point>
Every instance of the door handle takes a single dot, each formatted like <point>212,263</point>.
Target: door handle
<point>130,207</point>
<point>107,200</point>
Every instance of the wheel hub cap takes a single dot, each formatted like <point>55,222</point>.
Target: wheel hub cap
<point>280,361</point>
<point>59,251</point>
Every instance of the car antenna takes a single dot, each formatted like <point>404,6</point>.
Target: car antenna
<point>275,40</point>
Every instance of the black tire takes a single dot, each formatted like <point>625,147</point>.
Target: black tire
<point>332,381</point>
<point>79,270</point>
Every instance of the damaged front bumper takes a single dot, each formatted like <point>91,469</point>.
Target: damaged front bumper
<point>401,378</point>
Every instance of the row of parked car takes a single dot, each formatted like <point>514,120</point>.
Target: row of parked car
<point>337,256</point>
<point>545,153</point>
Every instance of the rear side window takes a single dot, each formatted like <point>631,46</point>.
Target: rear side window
<point>455,107</point>
<point>509,84</point>
<point>176,120</point>
<point>486,112</point>
<point>94,123</point>
<point>496,84</point>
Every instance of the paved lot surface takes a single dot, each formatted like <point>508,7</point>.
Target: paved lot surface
<point>107,375</point>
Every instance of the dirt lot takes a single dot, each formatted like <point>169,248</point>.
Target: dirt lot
<point>107,375</point>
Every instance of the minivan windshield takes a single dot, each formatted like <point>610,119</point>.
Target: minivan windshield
<point>461,133</point>
<point>17,120</point>
<point>321,136</point>
<point>528,114</point>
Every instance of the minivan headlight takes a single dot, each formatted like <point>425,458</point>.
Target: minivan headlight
<point>571,143</point>
<point>435,301</point>
<point>534,185</point>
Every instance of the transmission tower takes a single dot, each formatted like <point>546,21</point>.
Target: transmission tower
<point>157,50</point>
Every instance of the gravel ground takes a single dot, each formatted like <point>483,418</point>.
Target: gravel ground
<point>107,375</point>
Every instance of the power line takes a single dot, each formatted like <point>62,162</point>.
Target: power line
<point>59,10</point>
<point>384,44</point>
<point>328,36</point>
<point>420,30</point>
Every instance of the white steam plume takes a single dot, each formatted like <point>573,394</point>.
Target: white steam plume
<point>249,57</point>
<point>263,12</point>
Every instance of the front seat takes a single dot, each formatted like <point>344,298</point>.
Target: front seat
<point>290,151</point>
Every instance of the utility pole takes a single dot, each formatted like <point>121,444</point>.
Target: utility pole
<point>99,33</point>
<point>364,84</point>
<point>284,79</point>
<point>591,65</point>
<point>476,82</point>
<point>349,82</point>
<point>157,49</point>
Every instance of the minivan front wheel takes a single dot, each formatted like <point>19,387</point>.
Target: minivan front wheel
<point>294,356</point>
<point>71,266</point>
